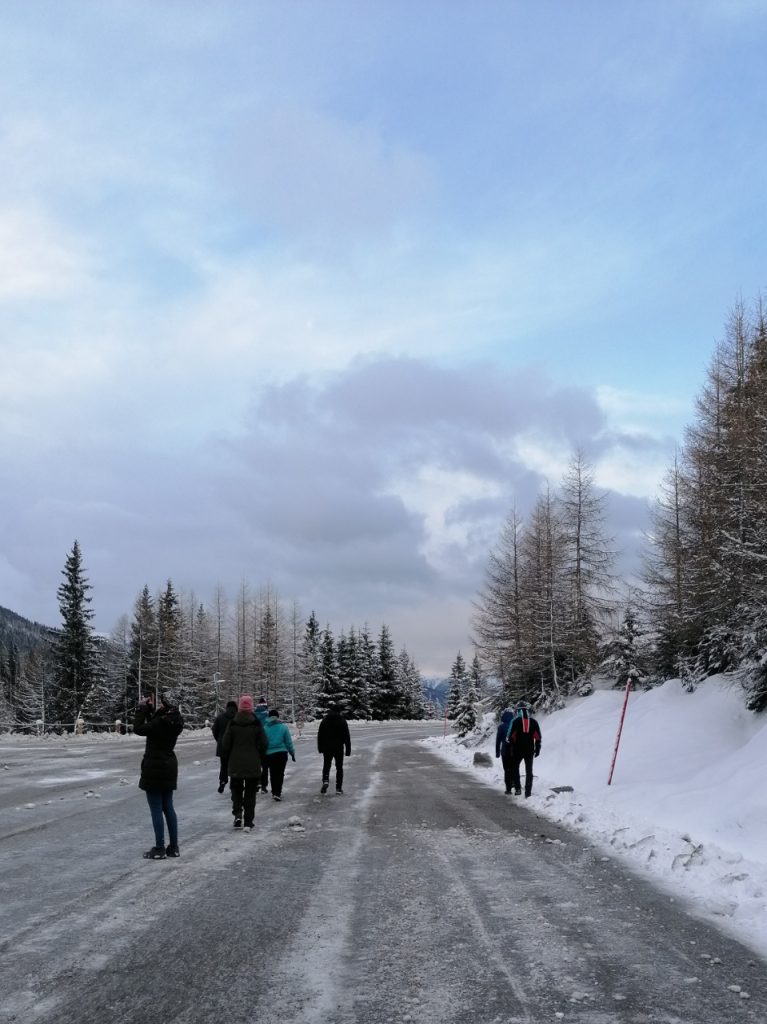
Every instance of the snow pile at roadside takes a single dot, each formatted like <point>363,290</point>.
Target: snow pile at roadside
<point>688,799</point>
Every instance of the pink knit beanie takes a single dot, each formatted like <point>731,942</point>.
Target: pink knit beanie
<point>246,703</point>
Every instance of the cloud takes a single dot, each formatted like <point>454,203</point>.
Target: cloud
<point>38,261</point>
<point>306,172</point>
<point>365,494</point>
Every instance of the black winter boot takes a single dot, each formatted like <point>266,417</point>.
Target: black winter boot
<point>156,853</point>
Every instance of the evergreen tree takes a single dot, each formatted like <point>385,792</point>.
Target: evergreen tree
<point>367,658</point>
<point>170,653</point>
<point>350,670</point>
<point>385,698</point>
<point>458,686</point>
<point>142,650</point>
<point>466,716</point>
<point>311,667</point>
<point>75,658</point>
<point>328,693</point>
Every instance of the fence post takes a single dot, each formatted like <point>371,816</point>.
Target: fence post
<point>620,729</point>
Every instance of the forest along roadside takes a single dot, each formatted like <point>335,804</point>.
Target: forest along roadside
<point>418,895</point>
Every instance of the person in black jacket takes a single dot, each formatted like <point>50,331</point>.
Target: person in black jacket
<point>524,738</point>
<point>159,770</point>
<point>218,729</point>
<point>244,743</point>
<point>333,741</point>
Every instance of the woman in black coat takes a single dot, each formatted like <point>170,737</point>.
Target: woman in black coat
<point>159,770</point>
<point>244,744</point>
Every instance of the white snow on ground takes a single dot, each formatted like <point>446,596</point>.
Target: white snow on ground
<point>688,799</point>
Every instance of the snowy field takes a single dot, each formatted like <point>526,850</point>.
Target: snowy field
<point>688,799</point>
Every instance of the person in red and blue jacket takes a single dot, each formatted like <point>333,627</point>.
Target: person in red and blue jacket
<point>524,739</point>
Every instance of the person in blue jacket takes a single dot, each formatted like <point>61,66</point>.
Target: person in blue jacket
<point>503,749</point>
<point>279,746</point>
<point>261,711</point>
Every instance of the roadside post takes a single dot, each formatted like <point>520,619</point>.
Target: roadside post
<point>620,730</point>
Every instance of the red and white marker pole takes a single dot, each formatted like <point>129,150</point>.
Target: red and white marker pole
<point>620,729</point>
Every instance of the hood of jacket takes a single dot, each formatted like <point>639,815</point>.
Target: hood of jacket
<point>243,717</point>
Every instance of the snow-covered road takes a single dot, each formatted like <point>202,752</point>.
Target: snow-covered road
<point>419,896</point>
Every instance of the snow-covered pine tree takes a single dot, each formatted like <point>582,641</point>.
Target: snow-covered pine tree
<point>356,684</point>
<point>458,685</point>
<point>467,716</point>
<point>73,647</point>
<point>368,667</point>
<point>385,698</point>
<point>311,667</point>
<point>623,654</point>
<point>411,686</point>
<point>170,648</point>
<point>345,670</point>
<point>142,651</point>
<point>477,676</point>
<point>328,693</point>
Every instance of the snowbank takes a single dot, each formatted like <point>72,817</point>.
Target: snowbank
<point>688,799</point>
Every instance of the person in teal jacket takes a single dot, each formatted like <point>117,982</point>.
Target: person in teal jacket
<point>279,745</point>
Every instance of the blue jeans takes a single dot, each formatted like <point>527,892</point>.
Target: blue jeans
<point>161,803</point>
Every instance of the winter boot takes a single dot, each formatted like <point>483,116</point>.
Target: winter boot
<point>238,823</point>
<point>172,851</point>
<point>324,788</point>
<point>156,853</point>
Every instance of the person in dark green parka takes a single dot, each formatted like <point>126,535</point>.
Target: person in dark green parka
<point>244,744</point>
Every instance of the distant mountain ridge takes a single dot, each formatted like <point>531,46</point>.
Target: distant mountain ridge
<point>436,690</point>
<point>25,633</point>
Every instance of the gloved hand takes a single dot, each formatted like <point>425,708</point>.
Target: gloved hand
<point>537,750</point>
<point>292,757</point>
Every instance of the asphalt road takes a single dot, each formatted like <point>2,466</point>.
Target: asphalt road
<point>420,895</point>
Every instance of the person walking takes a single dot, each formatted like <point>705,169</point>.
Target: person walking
<point>219,727</point>
<point>159,770</point>
<point>244,744</point>
<point>261,711</point>
<point>503,749</point>
<point>333,741</point>
<point>279,743</point>
<point>524,737</point>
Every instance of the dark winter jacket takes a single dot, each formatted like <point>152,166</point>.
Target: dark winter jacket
<point>501,744</point>
<point>159,767</point>
<point>219,726</point>
<point>333,734</point>
<point>244,743</point>
<point>525,734</point>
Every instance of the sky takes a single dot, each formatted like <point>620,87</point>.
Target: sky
<point>690,815</point>
<point>311,295</point>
